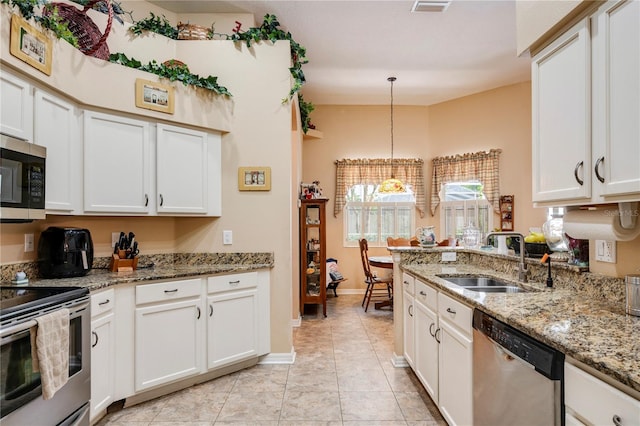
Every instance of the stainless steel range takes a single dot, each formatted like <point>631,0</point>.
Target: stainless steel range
<point>21,401</point>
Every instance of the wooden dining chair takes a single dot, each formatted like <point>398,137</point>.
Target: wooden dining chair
<point>378,288</point>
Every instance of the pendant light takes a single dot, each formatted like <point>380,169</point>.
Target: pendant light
<point>392,185</point>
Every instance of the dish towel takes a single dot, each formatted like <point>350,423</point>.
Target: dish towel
<point>51,356</point>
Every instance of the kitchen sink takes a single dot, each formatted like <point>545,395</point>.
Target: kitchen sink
<point>483,284</point>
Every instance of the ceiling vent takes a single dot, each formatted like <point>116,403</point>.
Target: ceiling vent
<point>430,5</point>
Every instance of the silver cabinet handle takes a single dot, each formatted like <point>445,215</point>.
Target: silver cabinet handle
<point>436,335</point>
<point>617,420</point>
<point>161,200</point>
<point>210,310</point>
<point>451,311</point>
<point>104,303</point>
<point>171,291</point>
<point>431,328</point>
<point>146,200</point>
<point>423,293</point>
<point>410,310</point>
<point>575,172</point>
<point>597,169</point>
<point>94,334</point>
<point>199,312</point>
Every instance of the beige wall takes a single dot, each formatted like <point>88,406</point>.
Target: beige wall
<point>499,118</point>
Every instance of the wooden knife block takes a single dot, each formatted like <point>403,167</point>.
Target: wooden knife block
<point>119,263</point>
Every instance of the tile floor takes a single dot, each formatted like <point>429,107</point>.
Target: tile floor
<point>342,376</point>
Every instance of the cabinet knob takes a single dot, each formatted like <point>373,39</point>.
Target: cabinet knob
<point>575,172</point>
<point>431,330</point>
<point>451,311</point>
<point>597,169</point>
<point>423,293</point>
<point>617,420</point>
<point>436,335</point>
<point>161,200</point>
<point>199,312</point>
<point>146,200</point>
<point>410,310</point>
<point>210,310</point>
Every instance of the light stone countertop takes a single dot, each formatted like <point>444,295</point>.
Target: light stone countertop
<point>578,325</point>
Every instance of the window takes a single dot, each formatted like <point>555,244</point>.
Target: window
<point>464,203</point>
<point>375,216</point>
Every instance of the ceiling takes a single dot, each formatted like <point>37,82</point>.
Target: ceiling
<point>353,46</point>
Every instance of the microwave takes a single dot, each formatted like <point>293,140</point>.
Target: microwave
<point>22,180</point>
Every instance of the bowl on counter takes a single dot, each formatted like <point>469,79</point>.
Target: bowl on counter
<point>535,250</point>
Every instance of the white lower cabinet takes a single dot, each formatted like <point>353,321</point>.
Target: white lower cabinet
<point>590,401</point>
<point>408,322</point>
<point>232,324</point>
<point>168,332</point>
<point>102,351</point>
<point>442,338</point>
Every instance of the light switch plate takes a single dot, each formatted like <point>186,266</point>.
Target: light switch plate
<point>606,251</point>
<point>28,243</point>
<point>227,237</point>
<point>449,256</point>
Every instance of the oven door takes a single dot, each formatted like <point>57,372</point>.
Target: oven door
<point>21,401</point>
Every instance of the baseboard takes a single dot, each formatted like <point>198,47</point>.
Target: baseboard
<point>279,358</point>
<point>399,361</point>
<point>296,322</point>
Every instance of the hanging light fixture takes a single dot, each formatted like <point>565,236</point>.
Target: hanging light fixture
<point>392,185</point>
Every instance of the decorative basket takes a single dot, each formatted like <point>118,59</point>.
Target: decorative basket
<point>193,32</point>
<point>90,40</point>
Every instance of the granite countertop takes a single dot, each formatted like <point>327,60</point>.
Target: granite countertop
<point>160,268</point>
<point>580,326</point>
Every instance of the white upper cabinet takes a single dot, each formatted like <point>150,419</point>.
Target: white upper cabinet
<point>616,99</point>
<point>181,170</point>
<point>16,107</point>
<point>57,126</point>
<point>586,111</point>
<point>117,161</point>
<point>560,80</point>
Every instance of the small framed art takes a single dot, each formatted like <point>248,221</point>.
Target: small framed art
<point>30,45</point>
<point>254,178</point>
<point>155,96</point>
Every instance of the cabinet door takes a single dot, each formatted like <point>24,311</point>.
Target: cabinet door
<point>102,363</point>
<point>455,385</point>
<point>116,164</point>
<point>561,125</point>
<point>409,329</point>
<point>168,342</point>
<point>16,107</point>
<point>232,327</point>
<point>181,169</point>
<point>616,104</point>
<point>426,348</point>
<point>58,128</point>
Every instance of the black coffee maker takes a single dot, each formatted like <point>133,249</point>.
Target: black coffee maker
<point>65,252</point>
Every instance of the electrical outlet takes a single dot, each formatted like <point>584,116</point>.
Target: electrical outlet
<point>28,243</point>
<point>227,237</point>
<point>115,236</point>
<point>449,256</point>
<point>606,251</point>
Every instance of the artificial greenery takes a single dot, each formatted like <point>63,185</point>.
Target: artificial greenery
<point>52,21</point>
<point>305,111</point>
<point>174,71</point>
<point>156,24</point>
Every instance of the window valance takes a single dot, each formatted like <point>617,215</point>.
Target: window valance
<point>351,172</point>
<point>482,166</point>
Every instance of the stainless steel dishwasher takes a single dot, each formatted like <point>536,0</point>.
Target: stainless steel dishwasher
<point>517,380</point>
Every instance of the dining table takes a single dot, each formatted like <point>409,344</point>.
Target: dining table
<point>385,262</point>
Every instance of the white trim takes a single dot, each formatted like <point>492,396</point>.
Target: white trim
<point>296,322</point>
<point>279,358</point>
<point>399,361</point>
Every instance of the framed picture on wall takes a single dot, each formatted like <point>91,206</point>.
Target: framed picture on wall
<point>254,178</point>
<point>155,96</point>
<point>30,45</point>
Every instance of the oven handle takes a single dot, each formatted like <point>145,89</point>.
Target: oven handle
<point>24,326</point>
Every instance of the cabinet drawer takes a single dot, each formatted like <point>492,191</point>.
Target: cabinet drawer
<point>102,302</point>
<point>232,282</point>
<point>455,313</point>
<point>172,290</point>
<point>408,283</point>
<point>426,295</point>
<point>582,390</point>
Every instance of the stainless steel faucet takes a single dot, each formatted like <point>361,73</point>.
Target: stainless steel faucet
<point>522,268</point>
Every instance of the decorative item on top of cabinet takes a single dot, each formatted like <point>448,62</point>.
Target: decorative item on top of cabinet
<point>313,257</point>
<point>506,212</point>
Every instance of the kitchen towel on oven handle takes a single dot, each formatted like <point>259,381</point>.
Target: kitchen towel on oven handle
<point>50,351</point>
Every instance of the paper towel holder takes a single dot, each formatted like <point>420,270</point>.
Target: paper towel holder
<point>628,214</point>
